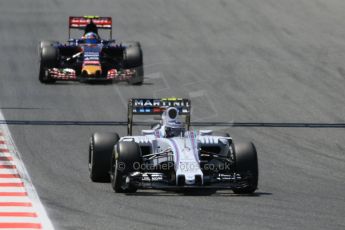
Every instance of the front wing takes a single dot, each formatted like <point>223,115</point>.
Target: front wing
<point>67,74</point>
<point>158,181</point>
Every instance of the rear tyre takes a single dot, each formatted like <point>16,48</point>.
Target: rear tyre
<point>246,162</point>
<point>100,151</point>
<point>126,158</point>
<point>48,59</point>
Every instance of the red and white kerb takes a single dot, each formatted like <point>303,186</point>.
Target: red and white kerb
<point>18,209</point>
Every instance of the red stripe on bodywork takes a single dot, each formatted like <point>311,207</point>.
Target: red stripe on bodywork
<point>21,225</point>
<point>91,63</point>
<point>4,150</point>
<point>2,142</point>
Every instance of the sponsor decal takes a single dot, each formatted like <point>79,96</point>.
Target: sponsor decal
<point>159,105</point>
<point>91,58</point>
<point>79,22</point>
<point>91,54</point>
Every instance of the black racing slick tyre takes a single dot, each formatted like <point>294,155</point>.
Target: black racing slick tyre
<point>100,151</point>
<point>132,55</point>
<point>47,43</point>
<point>49,56</point>
<point>246,164</point>
<point>139,77</point>
<point>133,59</point>
<point>126,158</point>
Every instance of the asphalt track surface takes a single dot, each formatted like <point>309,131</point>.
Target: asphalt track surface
<point>239,61</point>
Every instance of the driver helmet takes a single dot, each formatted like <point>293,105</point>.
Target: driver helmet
<point>91,38</point>
<point>172,127</point>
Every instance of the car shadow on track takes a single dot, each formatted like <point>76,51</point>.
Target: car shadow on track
<point>208,192</point>
<point>99,83</point>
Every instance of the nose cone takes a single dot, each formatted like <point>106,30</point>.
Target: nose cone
<point>190,178</point>
<point>92,70</point>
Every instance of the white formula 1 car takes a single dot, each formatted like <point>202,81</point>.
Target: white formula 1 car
<point>171,155</point>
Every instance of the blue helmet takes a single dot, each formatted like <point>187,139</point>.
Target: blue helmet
<point>91,38</point>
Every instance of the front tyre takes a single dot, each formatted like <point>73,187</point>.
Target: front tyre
<point>49,56</point>
<point>126,158</point>
<point>44,76</point>
<point>246,162</point>
<point>139,76</point>
<point>132,55</point>
<point>100,150</point>
<point>133,59</point>
<point>45,43</point>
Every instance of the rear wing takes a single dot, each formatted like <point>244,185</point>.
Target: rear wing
<point>80,22</point>
<point>149,106</point>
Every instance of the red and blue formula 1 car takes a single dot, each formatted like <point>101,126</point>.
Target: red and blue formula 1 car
<point>91,58</point>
